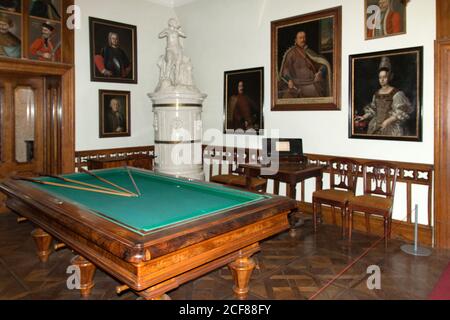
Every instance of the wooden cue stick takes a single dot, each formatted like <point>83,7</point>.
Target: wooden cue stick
<point>106,181</point>
<point>134,182</point>
<point>81,183</point>
<point>115,193</point>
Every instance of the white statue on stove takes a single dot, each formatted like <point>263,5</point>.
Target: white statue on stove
<point>177,108</point>
<point>175,67</point>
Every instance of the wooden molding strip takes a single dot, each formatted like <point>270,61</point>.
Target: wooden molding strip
<point>82,157</point>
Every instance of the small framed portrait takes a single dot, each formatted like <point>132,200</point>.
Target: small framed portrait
<point>113,47</point>
<point>46,9</point>
<point>44,40</point>
<point>306,61</point>
<point>14,6</point>
<point>244,101</point>
<point>384,18</point>
<point>386,95</point>
<point>10,35</point>
<point>114,113</point>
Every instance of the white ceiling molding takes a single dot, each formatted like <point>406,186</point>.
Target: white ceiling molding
<point>172,3</point>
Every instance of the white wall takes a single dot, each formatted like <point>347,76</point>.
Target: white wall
<point>235,34</point>
<point>150,19</point>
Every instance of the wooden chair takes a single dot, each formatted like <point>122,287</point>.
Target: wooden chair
<point>378,199</point>
<point>233,175</point>
<point>236,178</point>
<point>343,181</point>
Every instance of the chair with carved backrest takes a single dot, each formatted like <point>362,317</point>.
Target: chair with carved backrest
<point>229,172</point>
<point>380,179</point>
<point>343,180</point>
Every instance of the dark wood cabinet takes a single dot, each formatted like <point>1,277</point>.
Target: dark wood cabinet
<point>40,45</point>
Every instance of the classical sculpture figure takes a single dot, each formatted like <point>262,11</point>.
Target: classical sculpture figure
<point>174,50</point>
<point>175,67</point>
<point>177,108</point>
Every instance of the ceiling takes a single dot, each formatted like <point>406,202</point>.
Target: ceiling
<point>172,3</point>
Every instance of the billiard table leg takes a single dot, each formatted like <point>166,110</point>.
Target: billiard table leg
<point>43,241</point>
<point>164,297</point>
<point>241,270</point>
<point>154,293</point>
<point>87,272</point>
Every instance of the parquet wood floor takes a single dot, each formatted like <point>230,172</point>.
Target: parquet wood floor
<point>289,268</point>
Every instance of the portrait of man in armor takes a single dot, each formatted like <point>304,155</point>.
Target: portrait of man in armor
<point>113,51</point>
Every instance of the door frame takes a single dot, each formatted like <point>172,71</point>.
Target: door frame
<point>442,125</point>
<point>65,126</point>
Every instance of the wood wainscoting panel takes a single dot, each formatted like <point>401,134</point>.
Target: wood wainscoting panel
<point>219,159</point>
<point>82,158</point>
<point>400,230</point>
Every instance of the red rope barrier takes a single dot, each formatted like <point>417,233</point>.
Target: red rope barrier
<point>340,274</point>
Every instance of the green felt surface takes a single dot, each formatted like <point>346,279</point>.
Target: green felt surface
<point>164,201</point>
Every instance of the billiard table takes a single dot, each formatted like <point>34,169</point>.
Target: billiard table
<point>176,230</point>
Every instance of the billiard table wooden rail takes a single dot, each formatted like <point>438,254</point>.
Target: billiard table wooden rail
<point>159,261</point>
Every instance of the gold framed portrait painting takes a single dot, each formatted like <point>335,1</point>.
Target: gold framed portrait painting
<point>386,95</point>
<point>384,18</point>
<point>113,48</point>
<point>306,61</point>
<point>114,113</point>
<point>244,101</point>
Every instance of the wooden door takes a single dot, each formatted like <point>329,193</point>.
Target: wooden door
<point>442,125</point>
<point>21,126</point>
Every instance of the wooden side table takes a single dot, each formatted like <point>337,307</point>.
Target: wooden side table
<point>290,173</point>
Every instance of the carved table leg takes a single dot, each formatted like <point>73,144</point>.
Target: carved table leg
<point>241,270</point>
<point>294,223</point>
<point>294,220</point>
<point>43,241</point>
<point>319,186</point>
<point>87,272</point>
